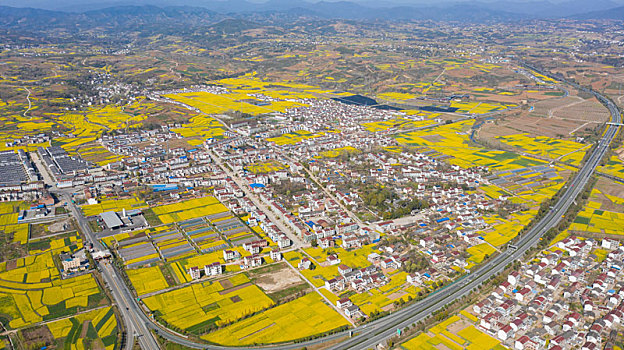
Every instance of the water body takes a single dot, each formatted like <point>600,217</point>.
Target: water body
<point>360,100</point>
<point>438,109</point>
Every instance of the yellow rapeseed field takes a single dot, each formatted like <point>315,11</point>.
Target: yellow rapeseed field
<point>206,303</point>
<point>296,319</point>
<point>147,280</point>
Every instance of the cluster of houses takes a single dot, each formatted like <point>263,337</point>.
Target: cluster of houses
<point>568,296</point>
<point>253,260</point>
<point>229,193</point>
<point>213,269</point>
<point>350,310</point>
<point>140,145</point>
<point>359,280</point>
<point>246,262</point>
<point>316,205</point>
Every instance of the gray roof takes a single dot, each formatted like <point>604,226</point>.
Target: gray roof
<point>111,219</point>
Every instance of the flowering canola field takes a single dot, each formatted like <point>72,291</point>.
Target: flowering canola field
<point>296,319</point>
<point>101,329</point>
<point>202,304</point>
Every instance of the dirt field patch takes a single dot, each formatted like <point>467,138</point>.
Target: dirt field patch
<point>227,291</point>
<point>235,299</point>
<point>543,108</point>
<point>38,336</point>
<point>11,264</point>
<point>388,307</point>
<point>589,110</point>
<point>226,284</point>
<point>85,328</point>
<point>278,280</point>
<point>458,326</point>
<point>611,188</point>
<point>432,138</point>
<point>396,295</point>
<point>59,226</point>
<point>537,126</point>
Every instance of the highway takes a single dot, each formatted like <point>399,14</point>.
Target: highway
<point>387,327</point>
<point>369,335</point>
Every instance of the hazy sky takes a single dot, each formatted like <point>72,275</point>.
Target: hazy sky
<point>85,4</point>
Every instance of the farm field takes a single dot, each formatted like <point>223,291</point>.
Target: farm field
<point>567,151</point>
<point>401,123</point>
<point>265,167</point>
<point>26,297</point>
<point>143,247</point>
<point>479,252</point>
<point>456,333</point>
<point>137,251</point>
<point>189,209</point>
<point>147,280</point>
<point>338,151</point>
<point>201,128</point>
<point>479,107</point>
<point>292,138</point>
<point>504,229</point>
<point>199,307</point>
<point>381,299</point>
<point>603,214</point>
<point>614,167</point>
<point>90,330</point>
<point>296,319</point>
<point>234,101</point>
<point>395,96</point>
<point>249,95</point>
<point>66,242</point>
<point>453,141</point>
<point>14,232</point>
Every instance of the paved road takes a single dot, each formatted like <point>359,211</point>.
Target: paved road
<point>265,207</point>
<point>369,335</point>
<point>387,327</point>
<point>128,307</point>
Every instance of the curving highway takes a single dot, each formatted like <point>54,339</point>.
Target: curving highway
<point>373,333</point>
<point>387,327</point>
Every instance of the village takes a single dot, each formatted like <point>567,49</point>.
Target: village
<point>568,294</point>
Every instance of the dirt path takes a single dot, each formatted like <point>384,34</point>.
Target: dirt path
<point>553,110</point>
<point>175,72</point>
<point>578,150</point>
<point>579,128</point>
<point>233,289</point>
<point>29,102</point>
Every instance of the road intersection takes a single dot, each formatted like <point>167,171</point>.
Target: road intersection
<point>369,335</point>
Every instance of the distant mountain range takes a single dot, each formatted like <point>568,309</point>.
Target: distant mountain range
<point>616,13</point>
<point>74,16</point>
<point>122,17</point>
<point>352,8</point>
